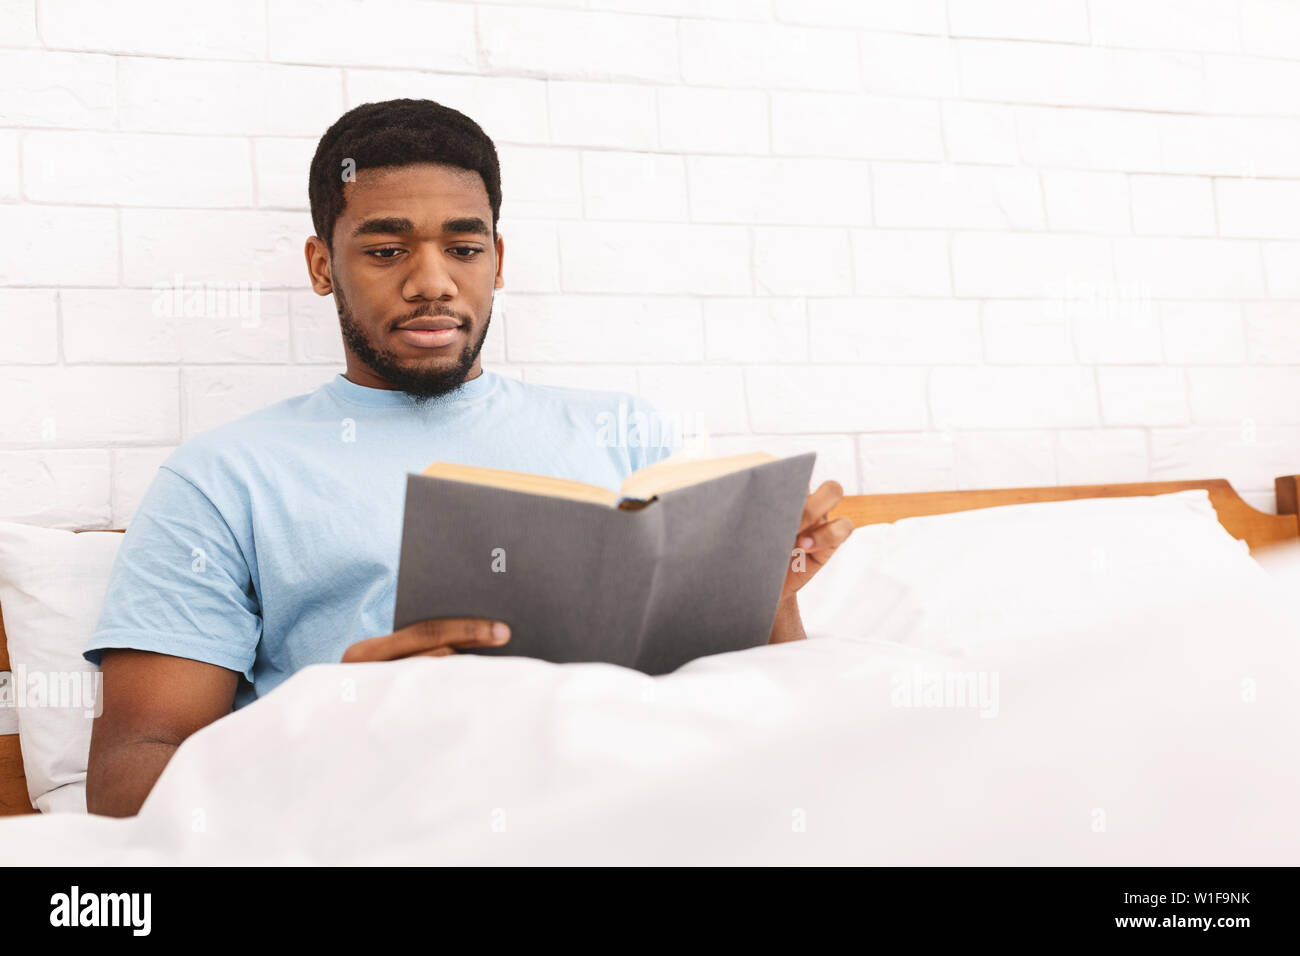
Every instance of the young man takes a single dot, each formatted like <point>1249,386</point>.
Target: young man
<point>271,543</point>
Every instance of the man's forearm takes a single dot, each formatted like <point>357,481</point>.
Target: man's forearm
<point>119,780</point>
<point>788,625</point>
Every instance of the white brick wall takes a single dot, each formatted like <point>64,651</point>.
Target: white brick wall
<point>944,243</point>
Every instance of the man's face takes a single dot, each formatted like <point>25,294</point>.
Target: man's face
<point>412,269</point>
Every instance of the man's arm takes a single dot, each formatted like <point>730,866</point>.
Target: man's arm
<point>787,625</point>
<point>151,703</point>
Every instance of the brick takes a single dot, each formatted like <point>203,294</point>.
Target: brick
<point>1027,332</point>
<point>1009,397</point>
<point>133,169</point>
<point>1096,456</point>
<point>1113,323</point>
<point>1246,146</point>
<point>1064,21</point>
<point>85,405</point>
<point>960,197</point>
<point>56,488</point>
<point>1142,396</point>
<point>1089,139</point>
<point>542,182</point>
<point>510,109</point>
<point>531,260</point>
<point>835,460</point>
<point>232,247</point>
<point>314,328</point>
<point>802,260</point>
<point>604,329</point>
<point>67,90</point>
<point>552,42</point>
<point>1258,208</point>
<point>1203,333</point>
<point>918,16</point>
<point>856,126</point>
<point>1003,459</point>
<point>835,398</point>
<point>1008,265</point>
<point>34,246</point>
<point>894,331</point>
<point>713,121</point>
<point>10,153</point>
<point>913,461</point>
<point>336,32</point>
<point>1270,27</point>
<point>1282,265</point>
<point>898,263</point>
<point>1246,85</point>
<point>1172,206</point>
<point>18,23</point>
<point>1194,25</point>
<point>655,258</point>
<point>1265,395</point>
<point>1190,268</point>
<point>1081,76</point>
<point>764,55</point>
<point>808,192</point>
<point>244,99</point>
<point>29,326</point>
<point>756,330</point>
<point>1249,457</point>
<point>280,168</point>
<point>1086,201</point>
<point>214,396</point>
<point>915,65</point>
<point>633,186</point>
<point>1273,333</point>
<point>117,326</point>
<point>601,114</point>
<point>600,378</point>
<point>980,133</point>
<point>133,470</point>
<point>229,31</point>
<point>699,397</point>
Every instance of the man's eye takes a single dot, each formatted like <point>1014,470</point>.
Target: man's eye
<point>470,249</point>
<point>380,253</point>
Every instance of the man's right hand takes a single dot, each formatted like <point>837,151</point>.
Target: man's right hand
<point>435,637</point>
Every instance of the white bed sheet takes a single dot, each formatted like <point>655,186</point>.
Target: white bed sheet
<point>1165,738</point>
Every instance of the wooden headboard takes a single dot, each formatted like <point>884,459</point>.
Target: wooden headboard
<point>1257,528</point>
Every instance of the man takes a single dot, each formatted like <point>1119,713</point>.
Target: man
<point>271,543</point>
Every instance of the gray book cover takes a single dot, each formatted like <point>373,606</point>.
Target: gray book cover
<point>695,571</point>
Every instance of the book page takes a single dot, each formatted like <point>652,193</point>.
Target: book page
<point>522,481</point>
<point>672,473</point>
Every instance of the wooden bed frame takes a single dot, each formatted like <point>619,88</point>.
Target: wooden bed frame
<point>1257,528</point>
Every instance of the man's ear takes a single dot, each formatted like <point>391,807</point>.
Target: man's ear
<point>318,266</point>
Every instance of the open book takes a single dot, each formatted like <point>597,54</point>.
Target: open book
<point>685,559</point>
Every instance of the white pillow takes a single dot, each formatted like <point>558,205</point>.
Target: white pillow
<point>988,578</point>
<point>52,584</point>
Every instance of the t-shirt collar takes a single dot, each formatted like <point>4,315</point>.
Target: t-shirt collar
<point>471,391</point>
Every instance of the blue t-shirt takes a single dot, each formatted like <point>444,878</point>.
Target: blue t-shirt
<point>272,542</point>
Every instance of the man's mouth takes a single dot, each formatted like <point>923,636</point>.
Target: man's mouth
<point>434,332</point>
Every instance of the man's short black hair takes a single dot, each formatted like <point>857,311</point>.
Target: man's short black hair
<point>397,133</point>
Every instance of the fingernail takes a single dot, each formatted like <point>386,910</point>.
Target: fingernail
<point>805,542</point>
<point>500,632</point>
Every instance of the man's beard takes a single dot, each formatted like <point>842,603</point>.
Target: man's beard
<point>420,383</point>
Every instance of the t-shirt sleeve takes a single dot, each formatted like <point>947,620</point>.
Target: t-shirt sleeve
<point>180,584</point>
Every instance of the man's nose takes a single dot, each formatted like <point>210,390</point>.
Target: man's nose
<point>428,277</point>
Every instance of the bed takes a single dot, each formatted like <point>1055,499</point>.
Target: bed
<point>1259,531</point>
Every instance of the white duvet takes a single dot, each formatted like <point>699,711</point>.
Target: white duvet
<point>1164,737</point>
